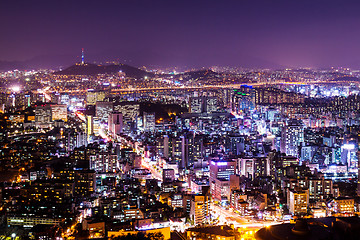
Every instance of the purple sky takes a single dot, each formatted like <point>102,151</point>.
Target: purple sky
<point>306,33</point>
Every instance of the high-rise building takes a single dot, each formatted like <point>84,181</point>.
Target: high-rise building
<point>96,126</point>
<point>236,144</point>
<point>104,162</point>
<point>268,95</point>
<point>149,121</point>
<point>308,152</point>
<point>207,104</point>
<point>103,110</point>
<point>298,202</point>
<point>166,146</point>
<point>84,182</point>
<point>292,136</point>
<point>93,96</point>
<point>254,167</point>
<point>180,151</point>
<point>196,105</point>
<point>81,139</point>
<point>58,112</point>
<point>130,110</point>
<point>200,207</point>
<point>115,125</point>
<point>358,181</point>
<point>168,175</point>
<point>43,114</point>
<point>89,125</point>
<point>196,150</point>
<point>344,206</point>
<point>211,104</point>
<point>221,169</point>
<point>220,172</point>
<point>163,147</point>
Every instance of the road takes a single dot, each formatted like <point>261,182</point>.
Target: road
<point>230,217</point>
<point>146,164</point>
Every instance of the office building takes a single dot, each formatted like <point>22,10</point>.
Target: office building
<point>103,110</point>
<point>58,112</point>
<point>298,202</point>
<point>149,121</point>
<point>115,125</point>
<point>93,96</point>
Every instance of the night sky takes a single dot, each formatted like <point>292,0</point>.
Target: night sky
<point>268,33</point>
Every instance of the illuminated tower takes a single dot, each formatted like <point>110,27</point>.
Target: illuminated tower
<point>82,56</point>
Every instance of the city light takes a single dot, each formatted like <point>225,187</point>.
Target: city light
<point>16,88</point>
<point>171,129</point>
<point>348,146</point>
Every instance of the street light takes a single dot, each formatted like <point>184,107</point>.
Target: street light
<point>13,235</point>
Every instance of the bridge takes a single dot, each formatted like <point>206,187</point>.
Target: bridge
<point>198,88</point>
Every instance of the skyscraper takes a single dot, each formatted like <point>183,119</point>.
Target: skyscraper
<point>149,121</point>
<point>292,136</point>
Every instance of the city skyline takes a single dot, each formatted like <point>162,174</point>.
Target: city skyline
<point>189,120</point>
<point>195,34</point>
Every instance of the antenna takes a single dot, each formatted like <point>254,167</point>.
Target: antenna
<point>82,56</point>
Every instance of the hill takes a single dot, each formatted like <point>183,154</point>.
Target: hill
<point>93,69</point>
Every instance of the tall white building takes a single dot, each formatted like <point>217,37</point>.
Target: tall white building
<point>208,104</point>
<point>211,104</point>
<point>292,136</point>
<point>196,105</point>
<point>149,121</point>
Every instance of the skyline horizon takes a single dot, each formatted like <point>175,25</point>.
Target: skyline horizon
<point>68,60</point>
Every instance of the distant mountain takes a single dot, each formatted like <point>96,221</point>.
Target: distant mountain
<point>93,69</point>
<point>142,58</point>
